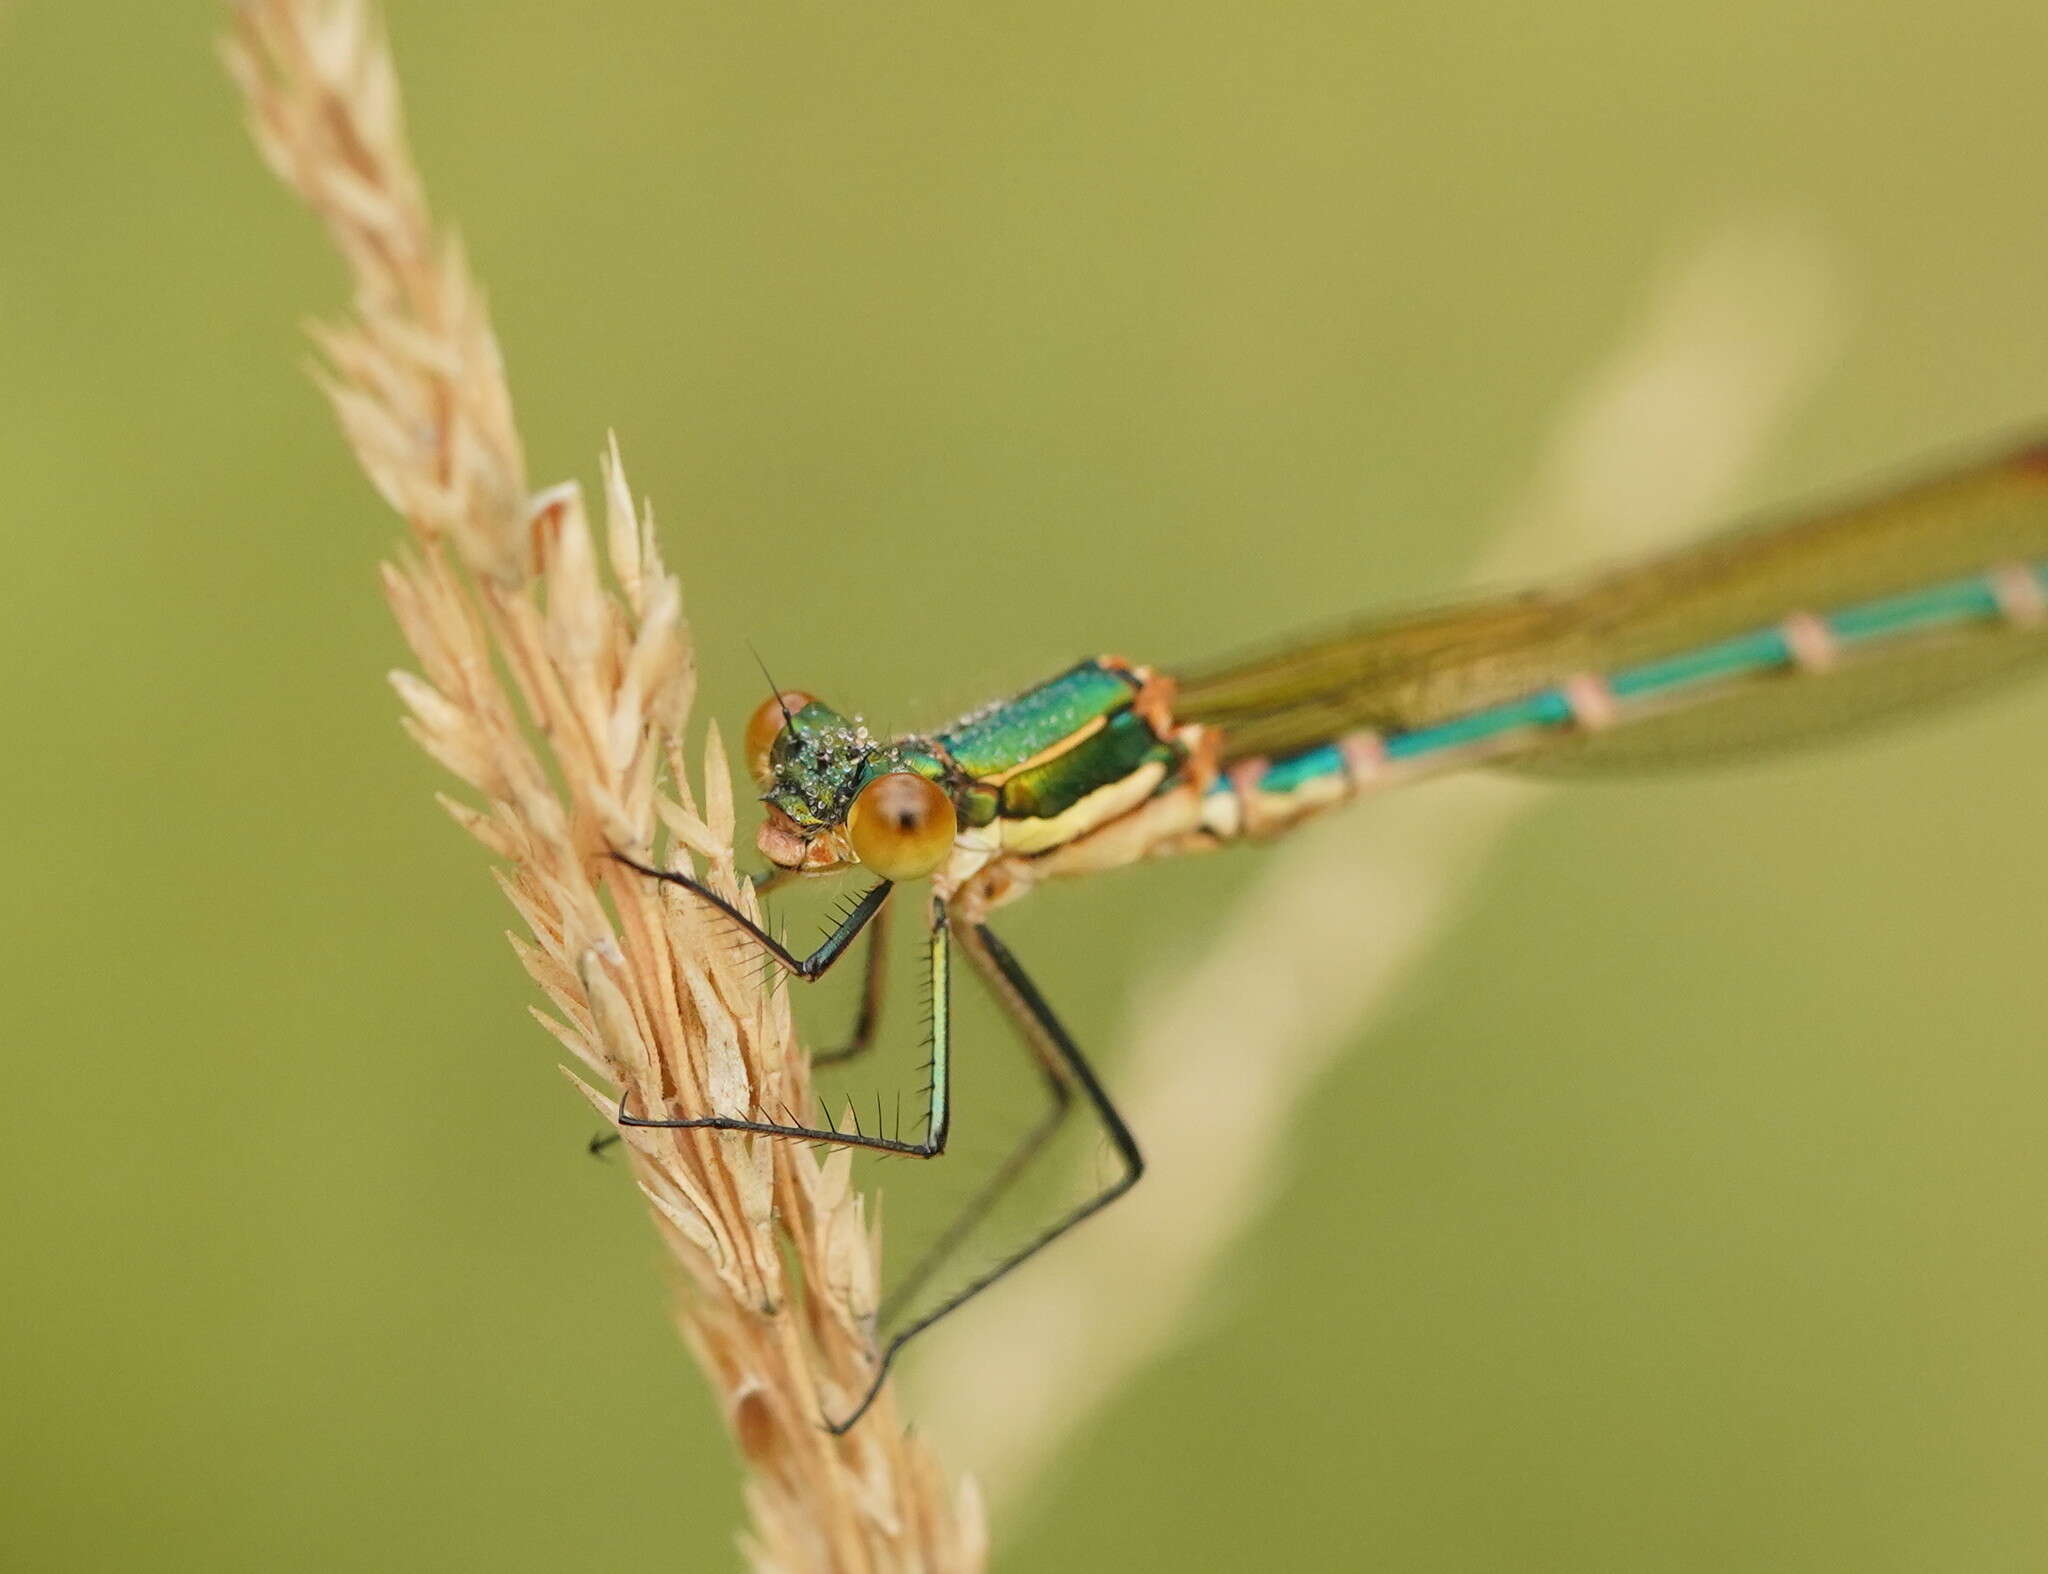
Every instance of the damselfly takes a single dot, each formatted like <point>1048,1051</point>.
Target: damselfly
<point>1758,638</point>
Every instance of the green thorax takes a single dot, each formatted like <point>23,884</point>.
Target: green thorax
<point>1037,755</point>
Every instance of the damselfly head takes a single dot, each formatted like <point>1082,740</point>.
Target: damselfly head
<point>837,795</point>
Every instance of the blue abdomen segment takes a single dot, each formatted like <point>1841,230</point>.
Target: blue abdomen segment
<point>1299,770</point>
<point>1545,708</point>
<point>1743,656</point>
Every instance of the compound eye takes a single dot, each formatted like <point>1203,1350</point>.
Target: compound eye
<point>901,826</point>
<point>765,726</point>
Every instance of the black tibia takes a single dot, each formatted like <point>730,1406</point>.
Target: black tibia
<point>874,982</point>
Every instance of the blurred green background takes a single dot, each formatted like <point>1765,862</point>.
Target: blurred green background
<point>1687,1215</point>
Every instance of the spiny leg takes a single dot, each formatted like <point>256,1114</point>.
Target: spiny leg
<point>1060,1093</point>
<point>871,907</point>
<point>939,1108</point>
<point>1065,1064</point>
<point>1049,1040</point>
<point>808,968</point>
<point>873,984</point>
<point>870,912</point>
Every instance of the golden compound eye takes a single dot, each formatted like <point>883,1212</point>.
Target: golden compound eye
<point>901,826</point>
<point>765,726</point>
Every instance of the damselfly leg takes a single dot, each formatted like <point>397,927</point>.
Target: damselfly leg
<point>874,981</point>
<point>810,968</point>
<point>1064,1069</point>
<point>871,912</point>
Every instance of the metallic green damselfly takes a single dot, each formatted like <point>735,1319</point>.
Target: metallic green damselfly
<point>1761,637</point>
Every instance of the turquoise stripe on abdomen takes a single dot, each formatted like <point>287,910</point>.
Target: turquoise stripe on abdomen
<point>1298,770</point>
<point>1738,657</point>
<point>1545,708</point>
<point>1283,789</point>
<point>1920,609</point>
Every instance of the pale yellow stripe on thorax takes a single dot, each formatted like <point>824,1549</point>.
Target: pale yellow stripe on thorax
<point>1101,806</point>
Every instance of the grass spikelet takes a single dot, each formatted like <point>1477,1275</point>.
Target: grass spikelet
<point>554,677</point>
